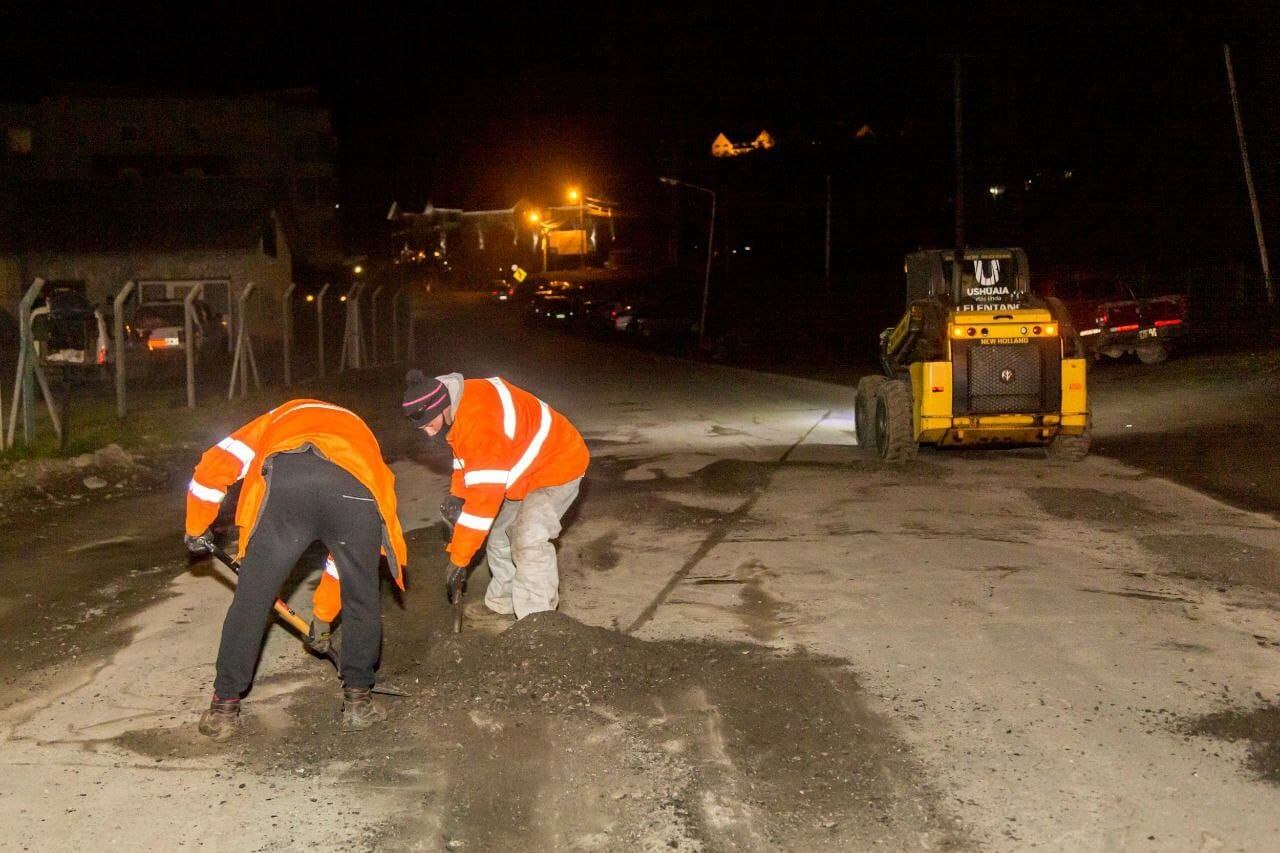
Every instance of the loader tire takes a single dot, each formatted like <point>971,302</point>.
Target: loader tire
<point>895,437</point>
<point>1152,353</point>
<point>1069,448</point>
<point>864,411</point>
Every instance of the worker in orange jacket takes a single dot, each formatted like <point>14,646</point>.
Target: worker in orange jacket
<point>311,471</point>
<point>517,466</point>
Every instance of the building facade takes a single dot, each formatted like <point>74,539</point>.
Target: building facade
<point>106,189</point>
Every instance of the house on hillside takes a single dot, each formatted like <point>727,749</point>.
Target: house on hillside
<point>722,146</point>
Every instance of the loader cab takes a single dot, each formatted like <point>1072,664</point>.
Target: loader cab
<point>989,280</point>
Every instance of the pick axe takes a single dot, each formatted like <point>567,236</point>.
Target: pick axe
<point>290,617</point>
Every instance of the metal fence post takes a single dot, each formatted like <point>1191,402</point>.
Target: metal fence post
<point>373,325</point>
<point>395,326</point>
<point>411,348</point>
<point>188,311</point>
<point>320,324</point>
<point>352,340</point>
<point>286,308</point>
<point>243,361</point>
<point>28,373</point>
<point>117,322</point>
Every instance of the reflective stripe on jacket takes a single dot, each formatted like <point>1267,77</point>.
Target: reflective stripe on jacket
<point>506,443</point>
<point>335,433</point>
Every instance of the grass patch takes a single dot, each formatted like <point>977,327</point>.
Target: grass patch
<point>159,420</point>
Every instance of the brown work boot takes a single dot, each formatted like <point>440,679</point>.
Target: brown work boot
<point>359,711</point>
<point>222,720</point>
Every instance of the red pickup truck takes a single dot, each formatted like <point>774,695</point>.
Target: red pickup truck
<point>1113,320</point>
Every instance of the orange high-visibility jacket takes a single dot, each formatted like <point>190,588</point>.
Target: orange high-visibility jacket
<point>506,443</point>
<point>335,433</point>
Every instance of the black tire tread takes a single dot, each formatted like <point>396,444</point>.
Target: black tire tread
<point>1152,353</point>
<point>1070,448</point>
<point>865,410</point>
<point>898,444</point>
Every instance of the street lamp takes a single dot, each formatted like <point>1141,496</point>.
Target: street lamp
<point>540,234</point>
<point>575,195</point>
<point>706,281</point>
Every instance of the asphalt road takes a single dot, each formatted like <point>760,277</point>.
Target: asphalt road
<point>765,642</point>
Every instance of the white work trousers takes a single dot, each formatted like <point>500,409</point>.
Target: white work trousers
<point>522,560</point>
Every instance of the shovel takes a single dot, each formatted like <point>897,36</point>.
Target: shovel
<point>291,618</point>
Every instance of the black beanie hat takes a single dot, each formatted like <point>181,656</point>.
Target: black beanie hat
<point>424,398</point>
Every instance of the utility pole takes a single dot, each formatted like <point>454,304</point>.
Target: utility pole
<point>673,244</point>
<point>826,266</point>
<point>1248,177</point>
<point>959,203</point>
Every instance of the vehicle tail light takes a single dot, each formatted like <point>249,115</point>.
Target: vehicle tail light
<point>1128,327</point>
<point>1035,330</point>
<point>1160,324</point>
<point>1051,330</point>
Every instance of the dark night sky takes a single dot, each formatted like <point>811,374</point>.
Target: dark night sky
<point>482,106</point>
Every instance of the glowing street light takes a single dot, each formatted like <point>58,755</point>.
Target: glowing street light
<point>534,218</point>
<point>575,195</point>
<point>357,269</point>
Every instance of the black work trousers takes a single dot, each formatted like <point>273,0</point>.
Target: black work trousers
<point>308,499</point>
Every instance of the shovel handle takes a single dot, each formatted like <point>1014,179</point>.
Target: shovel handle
<point>284,611</point>
<point>455,599</point>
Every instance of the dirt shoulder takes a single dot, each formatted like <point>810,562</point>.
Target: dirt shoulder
<point>1206,420</point>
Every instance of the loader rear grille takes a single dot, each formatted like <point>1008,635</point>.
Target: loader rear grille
<point>1007,378</point>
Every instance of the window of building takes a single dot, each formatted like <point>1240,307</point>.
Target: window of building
<point>19,140</point>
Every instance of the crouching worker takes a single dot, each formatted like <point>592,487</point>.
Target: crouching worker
<point>312,471</point>
<point>517,466</point>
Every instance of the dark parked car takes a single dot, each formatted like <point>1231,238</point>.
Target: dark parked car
<point>68,329</point>
<point>600,302</point>
<point>653,317</point>
<point>552,301</point>
<point>501,291</point>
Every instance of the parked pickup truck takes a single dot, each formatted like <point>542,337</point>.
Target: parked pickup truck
<point>1113,320</point>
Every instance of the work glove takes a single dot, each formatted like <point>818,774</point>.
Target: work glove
<point>319,636</point>
<point>457,576</point>
<point>199,545</point>
<point>449,512</point>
